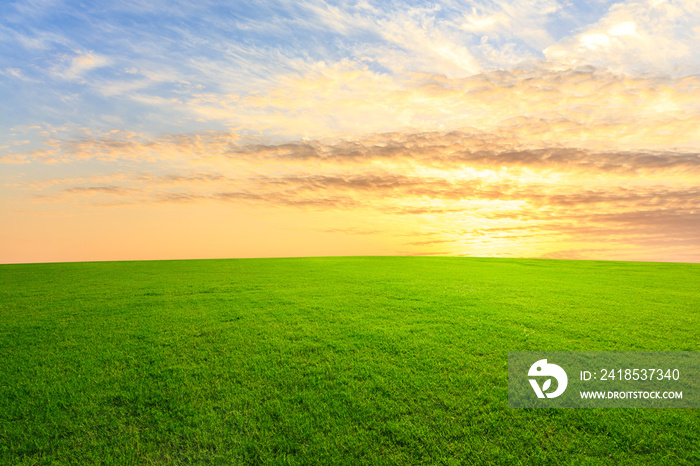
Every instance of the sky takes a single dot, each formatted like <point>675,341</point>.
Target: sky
<point>136,130</point>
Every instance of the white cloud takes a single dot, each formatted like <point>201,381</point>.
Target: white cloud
<point>477,22</point>
<point>38,40</point>
<point>637,36</point>
<point>74,68</point>
<point>309,68</point>
<point>16,73</point>
<point>402,39</point>
<point>623,29</point>
<point>524,21</point>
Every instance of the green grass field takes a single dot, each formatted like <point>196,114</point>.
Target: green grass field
<point>363,360</point>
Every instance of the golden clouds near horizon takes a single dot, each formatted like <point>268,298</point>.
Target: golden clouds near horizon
<point>459,193</point>
<point>534,163</point>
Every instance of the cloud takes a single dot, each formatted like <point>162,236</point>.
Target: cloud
<point>32,39</point>
<point>106,195</point>
<point>574,108</point>
<point>182,179</point>
<point>648,36</point>
<point>75,67</point>
<point>470,188</point>
<point>302,69</point>
<point>475,150</point>
<point>462,192</point>
<point>429,242</point>
<point>401,39</point>
<point>17,74</point>
<point>525,21</point>
<point>96,190</point>
<point>14,159</point>
<point>115,145</point>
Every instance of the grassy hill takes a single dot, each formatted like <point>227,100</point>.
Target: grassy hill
<point>375,360</point>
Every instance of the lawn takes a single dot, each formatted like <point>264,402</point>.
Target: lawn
<point>364,360</point>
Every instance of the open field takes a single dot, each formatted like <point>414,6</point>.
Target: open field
<point>333,360</point>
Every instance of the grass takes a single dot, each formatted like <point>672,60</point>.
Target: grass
<point>363,360</point>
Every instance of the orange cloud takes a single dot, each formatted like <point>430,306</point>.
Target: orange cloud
<point>470,192</point>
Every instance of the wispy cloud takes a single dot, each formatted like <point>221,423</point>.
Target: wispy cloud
<point>96,189</point>
<point>76,66</point>
<point>576,108</point>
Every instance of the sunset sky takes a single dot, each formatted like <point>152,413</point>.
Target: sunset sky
<point>202,129</point>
